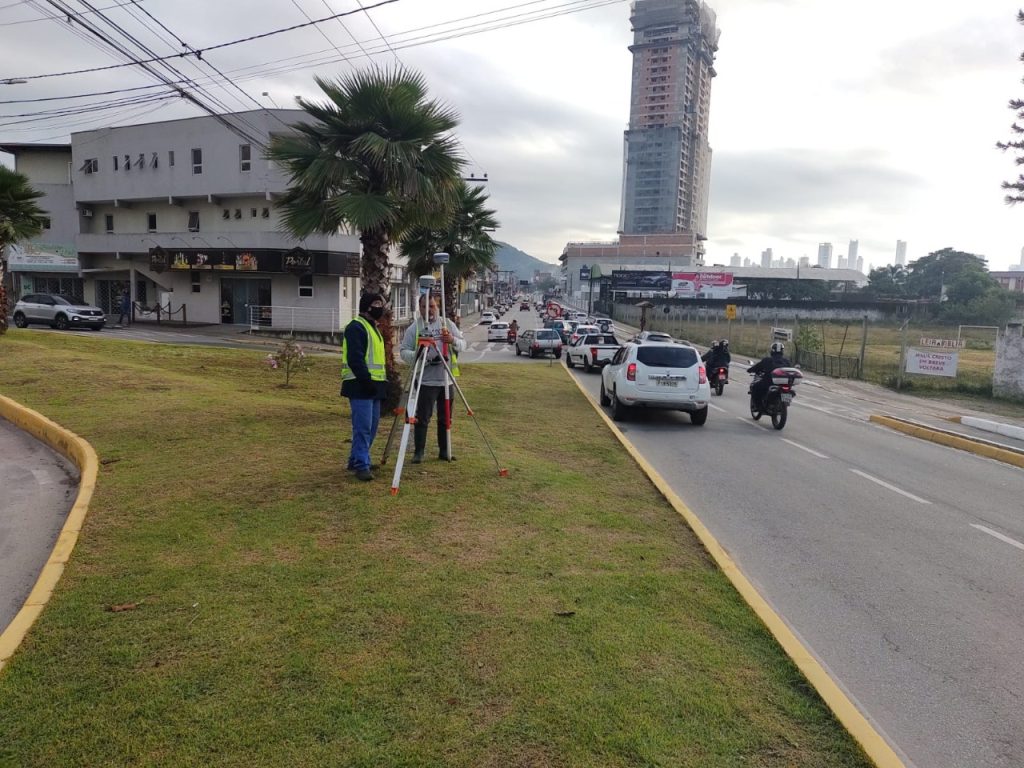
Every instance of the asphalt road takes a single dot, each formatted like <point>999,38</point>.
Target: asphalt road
<point>899,562</point>
<point>37,489</point>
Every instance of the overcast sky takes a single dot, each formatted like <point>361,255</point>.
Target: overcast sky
<point>874,120</point>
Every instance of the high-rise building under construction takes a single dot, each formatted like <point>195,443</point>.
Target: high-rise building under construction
<point>667,158</point>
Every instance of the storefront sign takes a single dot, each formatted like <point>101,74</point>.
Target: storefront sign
<point>41,257</point>
<point>299,261</point>
<point>157,259</point>
<point>584,273</point>
<point>932,363</point>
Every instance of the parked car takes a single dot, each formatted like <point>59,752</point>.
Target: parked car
<point>539,342</point>
<point>656,374</point>
<point>646,336</point>
<point>593,350</point>
<point>498,331</point>
<point>486,318</point>
<point>58,311</point>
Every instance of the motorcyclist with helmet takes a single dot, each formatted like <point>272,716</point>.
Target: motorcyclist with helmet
<point>718,355</point>
<point>763,370</point>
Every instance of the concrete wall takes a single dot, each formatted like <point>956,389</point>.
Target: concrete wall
<point>221,168</point>
<point>1008,380</point>
<point>45,167</point>
<point>629,314</point>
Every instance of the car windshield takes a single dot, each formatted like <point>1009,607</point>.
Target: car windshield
<point>667,357</point>
<point>499,326</point>
<point>547,334</point>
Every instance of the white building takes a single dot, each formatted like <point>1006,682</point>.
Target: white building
<point>825,255</point>
<point>901,253</point>
<point>182,214</point>
<point>766,258</point>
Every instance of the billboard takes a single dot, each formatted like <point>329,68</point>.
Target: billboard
<point>932,363</point>
<point>641,280</point>
<point>676,285</point>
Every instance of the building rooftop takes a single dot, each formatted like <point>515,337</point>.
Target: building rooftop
<point>15,148</point>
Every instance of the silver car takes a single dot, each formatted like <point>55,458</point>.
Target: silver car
<point>58,311</point>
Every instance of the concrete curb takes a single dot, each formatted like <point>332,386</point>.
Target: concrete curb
<point>84,457</point>
<point>1006,430</point>
<point>950,439</point>
<point>856,723</point>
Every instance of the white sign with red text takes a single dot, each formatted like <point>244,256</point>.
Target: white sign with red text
<point>931,363</point>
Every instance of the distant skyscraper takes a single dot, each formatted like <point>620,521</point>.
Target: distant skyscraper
<point>735,260</point>
<point>860,264</point>
<point>790,264</point>
<point>901,253</point>
<point>667,173</point>
<point>746,262</point>
<point>825,255</point>
<point>851,254</point>
<point>841,262</point>
<point>805,261</point>
<point>766,258</point>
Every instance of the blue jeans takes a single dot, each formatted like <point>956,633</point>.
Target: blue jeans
<point>365,418</point>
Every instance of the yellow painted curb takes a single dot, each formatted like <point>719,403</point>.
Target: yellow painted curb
<point>84,457</point>
<point>855,722</point>
<point>952,441</point>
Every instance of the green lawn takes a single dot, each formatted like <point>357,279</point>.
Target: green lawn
<point>288,615</point>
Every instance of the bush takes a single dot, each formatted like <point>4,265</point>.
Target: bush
<point>290,358</point>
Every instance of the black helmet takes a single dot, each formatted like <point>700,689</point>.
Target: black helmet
<point>724,344</point>
<point>778,347</point>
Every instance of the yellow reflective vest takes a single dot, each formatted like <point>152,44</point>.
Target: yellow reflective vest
<point>374,353</point>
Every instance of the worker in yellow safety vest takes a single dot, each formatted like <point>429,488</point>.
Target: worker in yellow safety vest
<point>432,389</point>
<point>364,380</point>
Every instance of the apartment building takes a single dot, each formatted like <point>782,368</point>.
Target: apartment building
<point>182,212</point>
<point>667,158</point>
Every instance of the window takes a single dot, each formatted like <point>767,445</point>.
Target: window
<point>127,162</point>
<point>151,222</point>
<point>305,286</point>
<point>252,213</point>
<point>92,165</point>
<point>225,214</point>
<point>245,157</point>
<point>170,159</point>
<point>154,161</point>
<point>193,221</point>
<point>46,222</point>
<point>195,282</point>
<point>667,357</point>
<point>109,222</point>
<point>197,162</point>
<point>238,213</point>
<point>115,162</point>
<point>265,213</point>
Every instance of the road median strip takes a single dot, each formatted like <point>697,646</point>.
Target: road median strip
<point>1003,453</point>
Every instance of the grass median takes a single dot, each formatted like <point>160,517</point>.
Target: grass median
<point>238,599</point>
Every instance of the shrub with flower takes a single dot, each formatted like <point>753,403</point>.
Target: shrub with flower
<point>290,358</point>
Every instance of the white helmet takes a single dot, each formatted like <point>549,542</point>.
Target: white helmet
<point>778,347</point>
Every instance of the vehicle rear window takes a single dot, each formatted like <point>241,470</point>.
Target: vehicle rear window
<point>667,357</point>
<point>547,334</point>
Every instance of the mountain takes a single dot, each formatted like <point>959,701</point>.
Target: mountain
<point>523,264</point>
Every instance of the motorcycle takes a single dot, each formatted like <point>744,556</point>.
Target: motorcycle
<point>718,377</point>
<point>777,399</point>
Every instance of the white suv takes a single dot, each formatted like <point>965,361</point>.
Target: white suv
<point>656,374</point>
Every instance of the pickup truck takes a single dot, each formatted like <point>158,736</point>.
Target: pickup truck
<point>594,350</point>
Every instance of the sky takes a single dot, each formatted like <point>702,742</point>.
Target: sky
<point>875,121</point>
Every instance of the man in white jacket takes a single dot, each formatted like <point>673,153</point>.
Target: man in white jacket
<point>429,324</point>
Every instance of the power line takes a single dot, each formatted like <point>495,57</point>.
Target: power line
<point>198,52</point>
<point>48,18</point>
<point>382,37</point>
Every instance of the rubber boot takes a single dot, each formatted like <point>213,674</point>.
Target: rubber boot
<point>419,441</point>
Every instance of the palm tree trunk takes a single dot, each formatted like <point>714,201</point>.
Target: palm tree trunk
<point>450,282</point>
<point>376,270</point>
<point>3,293</point>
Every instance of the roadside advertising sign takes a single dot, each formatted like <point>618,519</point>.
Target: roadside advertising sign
<point>929,363</point>
<point>944,343</point>
<point>584,273</point>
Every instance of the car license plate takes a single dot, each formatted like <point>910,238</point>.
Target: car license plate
<point>667,383</point>
<point>787,398</point>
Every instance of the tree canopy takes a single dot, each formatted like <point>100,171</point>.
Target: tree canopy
<point>1015,189</point>
<point>20,219</point>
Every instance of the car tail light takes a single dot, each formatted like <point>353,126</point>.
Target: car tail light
<point>703,375</point>
<point>631,372</point>
<point>593,352</point>
<point>786,388</point>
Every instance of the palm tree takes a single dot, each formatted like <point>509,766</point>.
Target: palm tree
<point>20,219</point>
<point>379,158</point>
<point>465,238</point>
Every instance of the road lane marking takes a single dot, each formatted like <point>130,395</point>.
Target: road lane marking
<point>893,488</point>
<point>718,408</point>
<point>804,448</point>
<point>998,535</point>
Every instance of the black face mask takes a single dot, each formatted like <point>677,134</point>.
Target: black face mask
<point>375,312</point>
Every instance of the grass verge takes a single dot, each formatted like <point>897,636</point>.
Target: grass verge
<point>285,614</point>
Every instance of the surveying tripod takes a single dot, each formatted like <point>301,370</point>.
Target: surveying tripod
<point>415,384</point>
